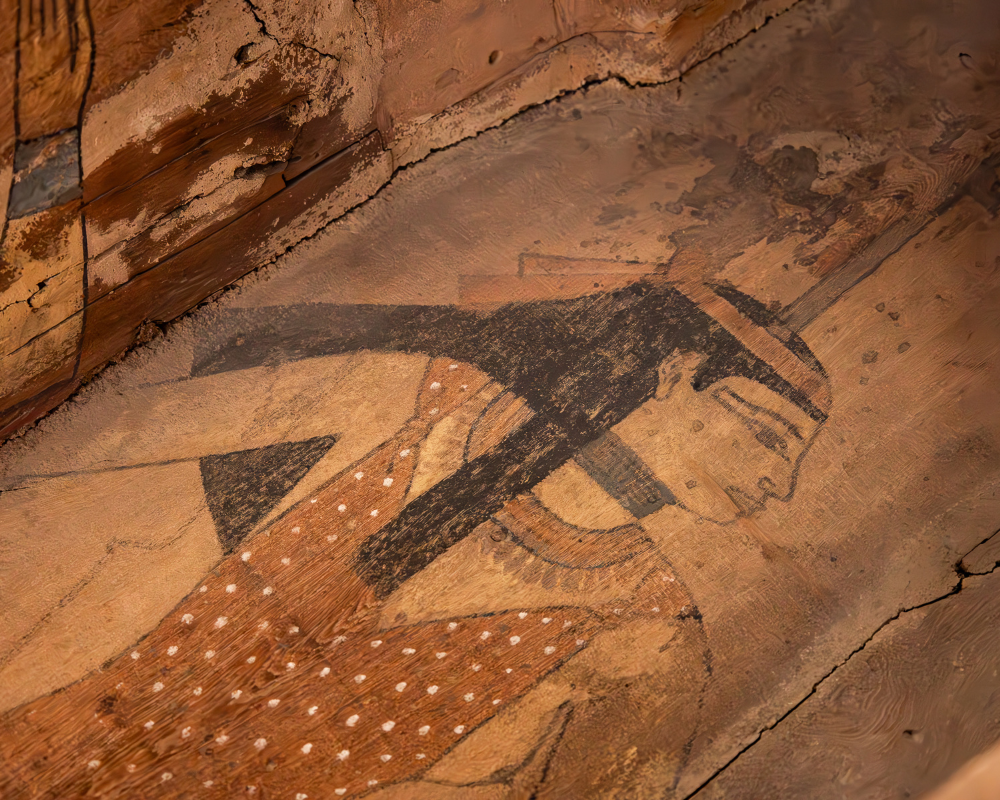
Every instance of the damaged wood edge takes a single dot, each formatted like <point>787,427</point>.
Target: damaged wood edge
<point>39,288</point>
<point>17,421</point>
<point>20,418</point>
<point>966,569</point>
<point>255,13</point>
<point>704,52</point>
<point>962,574</point>
<point>276,113</point>
<point>289,184</point>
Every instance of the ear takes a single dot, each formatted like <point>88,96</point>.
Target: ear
<point>676,367</point>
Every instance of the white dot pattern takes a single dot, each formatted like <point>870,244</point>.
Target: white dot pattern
<point>415,689</point>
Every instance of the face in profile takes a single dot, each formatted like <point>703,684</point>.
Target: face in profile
<point>724,451</point>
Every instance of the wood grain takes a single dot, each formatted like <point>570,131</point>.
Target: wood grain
<point>900,716</point>
<point>755,529</point>
<point>238,661</point>
<point>114,319</point>
<point>109,71</point>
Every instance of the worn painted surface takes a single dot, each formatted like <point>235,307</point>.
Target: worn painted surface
<point>705,370</point>
<point>181,123</point>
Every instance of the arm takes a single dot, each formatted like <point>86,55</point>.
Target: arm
<point>245,338</point>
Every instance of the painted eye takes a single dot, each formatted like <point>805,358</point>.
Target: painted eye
<point>771,440</point>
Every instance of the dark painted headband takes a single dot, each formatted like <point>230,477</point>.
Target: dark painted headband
<point>769,344</point>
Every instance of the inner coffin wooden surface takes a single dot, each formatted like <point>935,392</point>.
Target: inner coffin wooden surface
<point>646,446</point>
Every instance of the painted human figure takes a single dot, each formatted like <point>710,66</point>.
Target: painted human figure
<point>301,664</point>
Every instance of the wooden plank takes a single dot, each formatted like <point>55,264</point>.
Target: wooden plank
<point>897,718</point>
<point>249,241</point>
<point>722,509</point>
<point>178,184</point>
<point>131,38</point>
<point>188,225</point>
<point>46,359</point>
<point>24,413</point>
<point>269,97</point>
<point>54,58</point>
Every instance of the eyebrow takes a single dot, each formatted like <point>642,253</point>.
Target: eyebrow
<point>755,409</point>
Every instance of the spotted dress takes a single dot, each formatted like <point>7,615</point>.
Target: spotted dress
<point>275,679</point>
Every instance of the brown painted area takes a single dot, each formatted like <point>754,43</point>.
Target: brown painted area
<point>169,189</point>
<point>754,469</point>
<point>130,38</point>
<point>184,279</point>
<point>46,359</point>
<point>45,235</point>
<point>290,89</point>
<point>180,229</point>
<point>317,140</point>
<point>23,413</point>
<point>227,117</point>
<point>54,53</point>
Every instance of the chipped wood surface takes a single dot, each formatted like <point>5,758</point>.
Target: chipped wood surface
<point>271,91</point>
<point>739,415</point>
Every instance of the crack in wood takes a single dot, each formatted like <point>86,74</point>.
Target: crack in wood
<point>611,77</point>
<point>837,667</point>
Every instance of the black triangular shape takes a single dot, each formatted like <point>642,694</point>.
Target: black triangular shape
<point>242,487</point>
